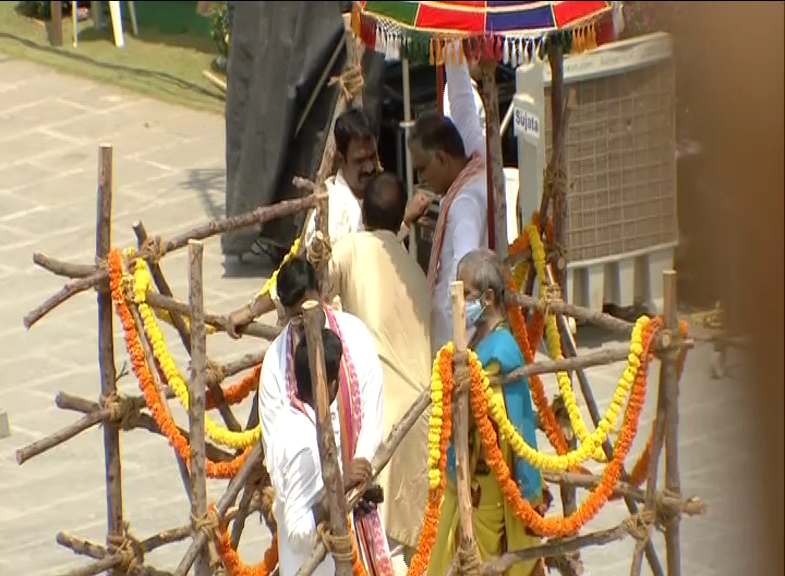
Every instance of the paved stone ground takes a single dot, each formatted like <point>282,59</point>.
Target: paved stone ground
<point>169,172</point>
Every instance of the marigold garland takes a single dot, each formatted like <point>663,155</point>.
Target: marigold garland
<point>553,431</point>
<point>592,441</point>
<point>233,563</point>
<point>640,469</point>
<point>272,282</point>
<point>174,378</point>
<point>529,345</point>
<point>430,524</point>
<point>555,348</point>
<point>599,496</point>
<point>139,364</point>
<point>239,391</point>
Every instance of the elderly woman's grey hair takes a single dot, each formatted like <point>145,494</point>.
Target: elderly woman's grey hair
<point>487,271</point>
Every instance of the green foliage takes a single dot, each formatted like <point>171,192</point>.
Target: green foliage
<point>219,22</point>
<point>40,10</point>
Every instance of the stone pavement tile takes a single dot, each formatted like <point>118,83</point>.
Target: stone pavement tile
<point>25,147</point>
<point>197,152</point>
<point>13,206</point>
<point>27,116</point>
<point>13,176</point>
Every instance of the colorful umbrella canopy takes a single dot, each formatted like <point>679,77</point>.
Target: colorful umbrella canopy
<point>509,29</point>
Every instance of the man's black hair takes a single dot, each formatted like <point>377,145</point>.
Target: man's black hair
<point>333,350</point>
<point>385,203</point>
<point>295,278</point>
<point>353,124</point>
<point>435,132</point>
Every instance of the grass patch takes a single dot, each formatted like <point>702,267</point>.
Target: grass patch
<point>167,68</point>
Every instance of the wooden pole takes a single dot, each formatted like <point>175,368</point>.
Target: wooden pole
<point>313,321</point>
<point>353,60</point>
<point>669,380</point>
<point>466,539</point>
<point>184,331</point>
<point>196,394</point>
<point>559,199</point>
<point>56,23</point>
<point>218,226</point>
<point>670,311</point>
<point>113,466</point>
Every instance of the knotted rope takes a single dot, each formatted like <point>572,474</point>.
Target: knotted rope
<point>215,372</point>
<point>339,546</point>
<point>128,548</point>
<point>154,248</point>
<point>351,82</point>
<point>267,496</point>
<point>121,409</point>
<point>469,560</point>
<point>319,251</point>
<point>550,296</point>
<point>209,524</point>
<point>639,525</point>
<point>461,374</point>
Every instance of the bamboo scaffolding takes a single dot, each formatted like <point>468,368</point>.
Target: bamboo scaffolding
<point>125,554</point>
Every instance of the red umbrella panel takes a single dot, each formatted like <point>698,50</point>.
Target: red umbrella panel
<point>512,32</point>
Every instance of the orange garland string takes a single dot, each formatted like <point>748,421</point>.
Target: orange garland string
<point>419,564</point>
<point>234,564</point>
<point>528,345</point>
<point>552,429</point>
<point>238,391</point>
<point>599,496</point>
<point>640,470</point>
<point>139,363</point>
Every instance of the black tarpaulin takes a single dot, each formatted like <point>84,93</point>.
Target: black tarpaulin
<point>278,54</point>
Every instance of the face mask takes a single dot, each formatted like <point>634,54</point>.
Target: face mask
<point>474,312</point>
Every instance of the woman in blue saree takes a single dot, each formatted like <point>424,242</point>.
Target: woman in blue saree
<point>496,527</point>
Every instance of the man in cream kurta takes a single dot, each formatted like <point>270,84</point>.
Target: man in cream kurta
<point>384,287</point>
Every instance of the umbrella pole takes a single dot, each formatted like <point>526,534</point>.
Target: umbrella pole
<point>559,207</point>
<point>407,125</point>
<point>496,191</point>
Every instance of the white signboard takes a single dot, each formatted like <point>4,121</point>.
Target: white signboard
<point>526,123</point>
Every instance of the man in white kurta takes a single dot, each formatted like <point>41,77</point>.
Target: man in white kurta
<point>359,416</point>
<point>295,463</point>
<point>276,368</point>
<point>355,146</point>
<point>456,172</point>
<point>296,478</point>
<point>380,283</point>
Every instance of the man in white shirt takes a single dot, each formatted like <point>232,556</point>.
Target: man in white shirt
<point>355,148</point>
<point>384,287</point>
<point>294,462</point>
<point>450,158</point>
<point>357,417</point>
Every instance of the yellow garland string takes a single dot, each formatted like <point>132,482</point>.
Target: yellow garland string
<point>591,442</point>
<point>498,414</point>
<point>436,421</point>
<point>271,283</point>
<point>219,434</point>
<point>555,348</point>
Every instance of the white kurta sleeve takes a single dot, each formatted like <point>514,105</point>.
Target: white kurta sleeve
<point>301,479</point>
<point>463,109</point>
<point>272,391</point>
<point>371,382</point>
